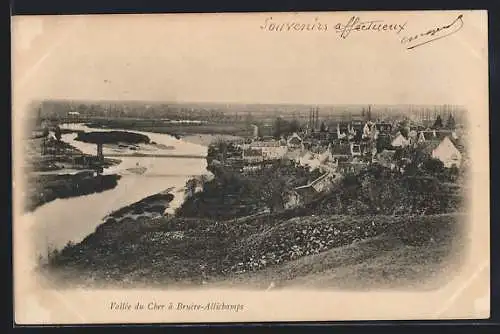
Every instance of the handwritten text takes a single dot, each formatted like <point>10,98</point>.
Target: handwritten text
<point>355,24</point>
<point>433,34</point>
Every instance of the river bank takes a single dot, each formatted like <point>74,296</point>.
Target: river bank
<point>42,189</point>
<point>207,139</point>
<point>56,169</point>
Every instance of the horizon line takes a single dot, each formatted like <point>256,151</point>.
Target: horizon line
<point>331,104</point>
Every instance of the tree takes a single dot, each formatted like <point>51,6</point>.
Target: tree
<point>433,166</point>
<point>323,127</point>
<point>57,133</point>
<point>450,123</point>
<point>294,126</point>
<point>438,124</point>
<point>453,173</point>
<point>190,188</point>
<point>277,128</point>
<point>369,114</point>
<point>383,142</point>
<point>221,146</point>
<point>248,118</point>
<point>281,128</point>
<point>274,183</point>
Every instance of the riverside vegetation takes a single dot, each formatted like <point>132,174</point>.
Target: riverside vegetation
<point>56,169</point>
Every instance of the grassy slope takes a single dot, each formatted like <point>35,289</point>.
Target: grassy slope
<point>411,253</point>
<point>335,251</point>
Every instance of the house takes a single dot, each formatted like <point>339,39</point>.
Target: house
<point>400,141</point>
<point>350,167</point>
<point>270,150</point>
<point>310,160</point>
<point>383,127</point>
<point>342,131</point>
<point>274,152</point>
<point>340,149</point>
<point>421,137</point>
<point>319,185</point>
<point>326,156</point>
<point>293,155</point>
<point>369,130</point>
<point>39,133</point>
<point>294,141</point>
<point>413,137</point>
<point>429,146</point>
<point>355,149</point>
<point>447,152</point>
<point>252,155</point>
<point>255,131</point>
<point>323,183</point>
<point>436,135</point>
<point>357,130</point>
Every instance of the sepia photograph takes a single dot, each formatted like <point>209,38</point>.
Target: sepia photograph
<point>241,167</point>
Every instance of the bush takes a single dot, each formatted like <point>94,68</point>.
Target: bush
<point>232,194</point>
<point>379,190</point>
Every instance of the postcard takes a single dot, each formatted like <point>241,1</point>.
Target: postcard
<point>250,167</point>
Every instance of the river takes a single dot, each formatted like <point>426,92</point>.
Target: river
<point>63,220</point>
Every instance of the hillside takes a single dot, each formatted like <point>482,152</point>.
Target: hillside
<point>324,251</point>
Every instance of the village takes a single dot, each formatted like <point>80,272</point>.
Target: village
<point>337,148</point>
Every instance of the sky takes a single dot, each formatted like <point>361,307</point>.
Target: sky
<point>228,58</point>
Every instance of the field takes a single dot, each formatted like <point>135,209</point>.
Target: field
<point>240,129</point>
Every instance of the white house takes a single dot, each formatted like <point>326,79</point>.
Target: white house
<point>400,141</point>
<point>368,130</point>
<point>448,153</point>
<point>326,156</point>
<point>421,137</point>
<point>274,152</point>
<point>309,160</point>
<point>355,149</point>
<point>255,131</point>
<point>267,150</point>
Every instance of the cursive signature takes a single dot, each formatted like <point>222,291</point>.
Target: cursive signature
<point>433,34</point>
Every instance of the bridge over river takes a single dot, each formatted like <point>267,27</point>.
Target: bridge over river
<point>141,155</point>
